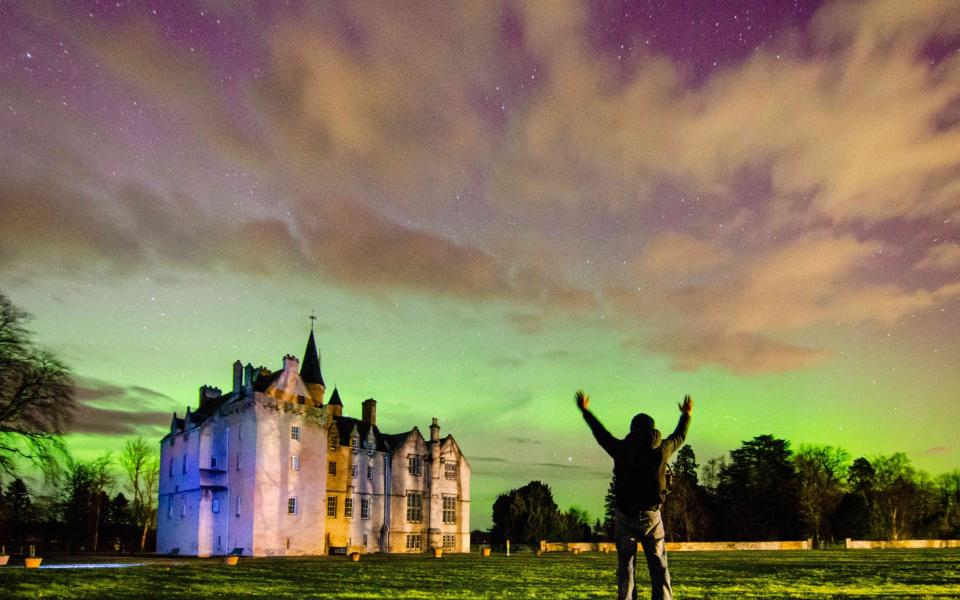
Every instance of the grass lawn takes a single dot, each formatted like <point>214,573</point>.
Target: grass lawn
<point>801,574</point>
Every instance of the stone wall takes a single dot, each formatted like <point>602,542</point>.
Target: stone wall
<point>874,544</point>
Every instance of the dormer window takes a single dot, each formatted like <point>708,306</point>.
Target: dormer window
<point>414,465</point>
<point>334,439</point>
<point>354,444</point>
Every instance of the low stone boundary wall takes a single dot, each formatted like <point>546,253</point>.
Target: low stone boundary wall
<point>715,546</point>
<point>677,546</point>
<point>876,544</point>
<point>722,546</point>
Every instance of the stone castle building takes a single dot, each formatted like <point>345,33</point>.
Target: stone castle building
<point>270,469</point>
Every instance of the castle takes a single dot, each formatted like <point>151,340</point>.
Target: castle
<point>269,469</point>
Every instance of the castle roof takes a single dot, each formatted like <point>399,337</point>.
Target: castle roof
<point>345,426</point>
<point>310,369</point>
<point>335,398</point>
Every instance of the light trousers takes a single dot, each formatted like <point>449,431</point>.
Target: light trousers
<point>646,528</point>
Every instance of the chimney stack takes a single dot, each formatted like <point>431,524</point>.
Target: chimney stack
<point>370,411</point>
<point>207,393</point>
<point>291,363</point>
<point>248,378</point>
<point>237,377</point>
<point>435,431</point>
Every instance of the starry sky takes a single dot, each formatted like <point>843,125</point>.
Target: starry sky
<point>491,204</point>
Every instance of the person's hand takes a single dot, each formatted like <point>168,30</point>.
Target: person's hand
<point>583,400</point>
<point>687,406</point>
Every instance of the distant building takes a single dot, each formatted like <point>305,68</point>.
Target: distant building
<point>268,469</point>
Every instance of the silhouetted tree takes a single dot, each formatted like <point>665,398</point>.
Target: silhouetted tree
<point>609,510</point>
<point>525,515</point>
<point>685,506</point>
<point>758,491</point>
<point>36,395</point>
<point>141,466</point>
<point>820,478</point>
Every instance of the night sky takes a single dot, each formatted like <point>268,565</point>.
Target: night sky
<point>491,204</point>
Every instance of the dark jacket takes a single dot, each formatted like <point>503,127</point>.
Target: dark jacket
<point>639,461</point>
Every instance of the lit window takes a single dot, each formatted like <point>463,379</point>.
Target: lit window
<point>364,508</point>
<point>348,507</point>
<point>215,505</point>
<point>449,509</point>
<point>414,507</point>
<point>292,505</point>
<point>294,463</point>
<point>295,433</point>
<point>354,470</point>
<point>332,468</point>
<point>332,506</point>
<point>414,465</point>
<point>413,541</point>
<point>450,470</point>
<point>369,471</point>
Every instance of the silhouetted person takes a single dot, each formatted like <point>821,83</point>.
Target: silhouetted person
<point>639,469</point>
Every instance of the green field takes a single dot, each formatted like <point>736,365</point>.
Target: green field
<point>809,574</point>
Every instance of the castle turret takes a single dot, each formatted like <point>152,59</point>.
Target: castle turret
<point>310,371</point>
<point>335,406</point>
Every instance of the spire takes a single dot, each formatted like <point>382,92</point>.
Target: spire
<point>335,397</point>
<point>310,369</point>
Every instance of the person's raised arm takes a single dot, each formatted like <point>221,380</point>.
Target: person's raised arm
<point>606,441</point>
<point>675,439</point>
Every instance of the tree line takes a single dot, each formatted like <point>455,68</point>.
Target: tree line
<point>762,491</point>
<point>99,504</point>
<point>766,491</point>
<point>104,504</point>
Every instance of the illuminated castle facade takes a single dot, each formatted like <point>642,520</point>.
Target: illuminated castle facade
<point>270,469</point>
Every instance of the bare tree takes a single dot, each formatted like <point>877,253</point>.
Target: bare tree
<point>36,395</point>
<point>141,465</point>
<point>821,471</point>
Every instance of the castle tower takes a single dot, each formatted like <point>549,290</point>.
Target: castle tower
<point>310,371</point>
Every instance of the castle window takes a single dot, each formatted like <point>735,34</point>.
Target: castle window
<point>354,444</point>
<point>214,463</point>
<point>348,507</point>
<point>240,433</point>
<point>414,507</point>
<point>239,505</point>
<point>184,463</point>
<point>414,465</point>
<point>183,507</point>
<point>332,506</point>
<point>294,463</point>
<point>414,541</point>
<point>238,461</point>
<point>450,470</point>
<point>364,540</point>
<point>170,471</point>
<point>301,400</point>
<point>215,505</point>
<point>332,467</point>
<point>354,469</point>
<point>295,433</point>
<point>292,505</point>
<point>364,508</point>
<point>449,542</point>
<point>170,508</point>
<point>334,439</point>
<point>449,509</point>
<point>369,471</point>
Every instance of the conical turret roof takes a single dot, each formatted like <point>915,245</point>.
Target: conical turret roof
<point>310,369</point>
